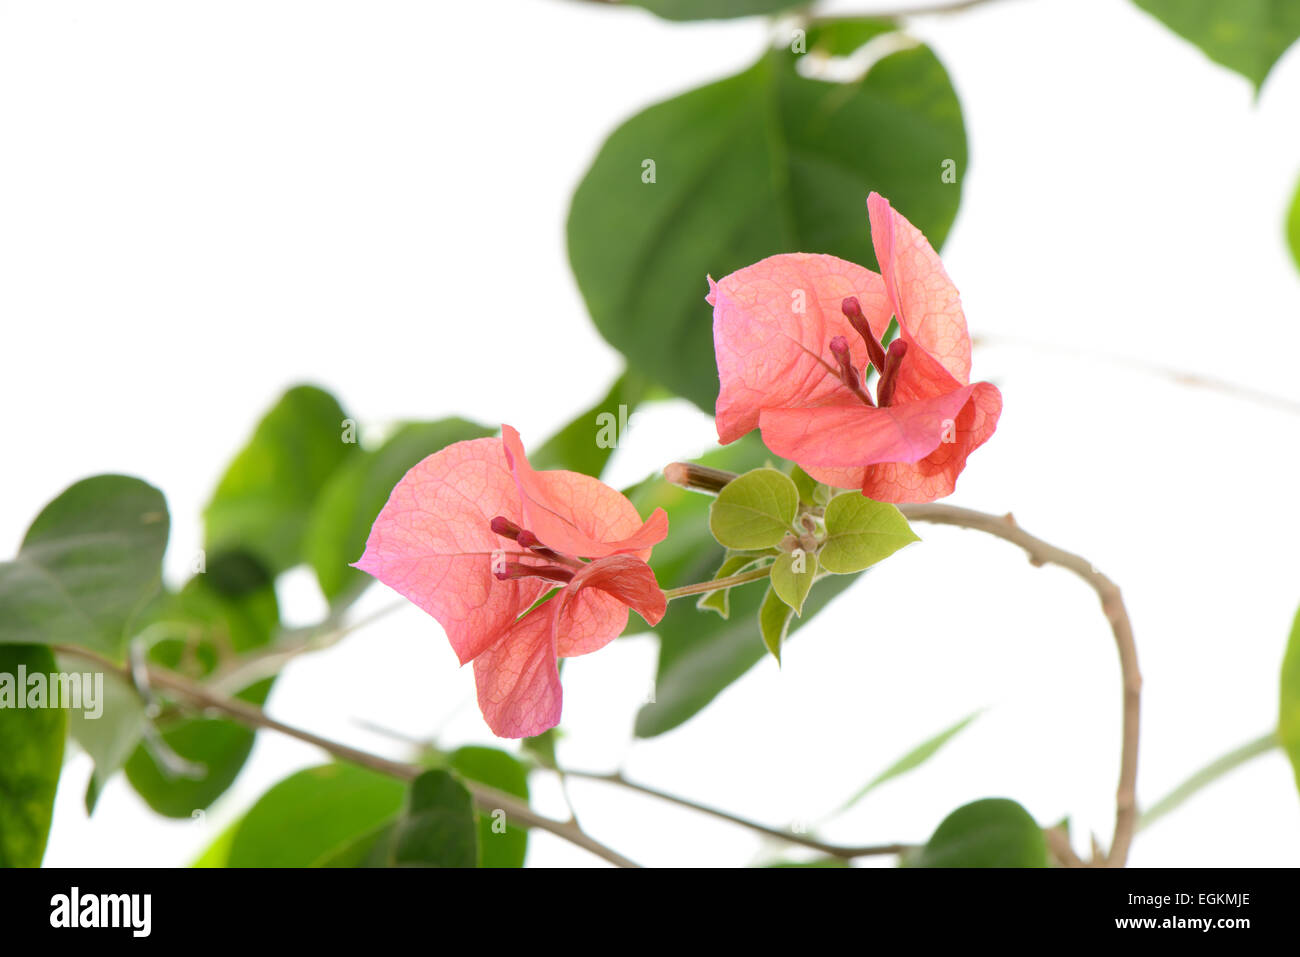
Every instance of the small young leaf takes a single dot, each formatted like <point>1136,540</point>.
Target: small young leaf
<point>860,532</point>
<point>754,510</point>
<point>792,577</point>
<point>1293,227</point>
<point>806,484</point>
<point>773,622</point>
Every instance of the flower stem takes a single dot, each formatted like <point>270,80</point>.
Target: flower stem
<point>699,588</point>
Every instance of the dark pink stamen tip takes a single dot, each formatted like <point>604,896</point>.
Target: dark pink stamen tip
<point>840,350</point>
<point>527,539</point>
<point>852,310</point>
<point>504,527</point>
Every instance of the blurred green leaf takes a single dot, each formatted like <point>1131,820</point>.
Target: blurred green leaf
<point>1293,227</point>
<point>764,162</point>
<point>90,561</point>
<point>436,828</point>
<point>754,510</point>
<point>1288,722</point>
<point>109,738</point>
<point>861,532</point>
<point>815,862</point>
<point>351,500</point>
<point>312,814</point>
<point>264,501</point>
<point>713,9</point>
<point>1247,36</point>
<point>500,843</point>
<point>994,832</point>
<point>586,444</point>
<point>912,760</point>
<point>31,757</point>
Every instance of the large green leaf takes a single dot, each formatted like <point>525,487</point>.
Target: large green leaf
<point>764,162</point>
<point>347,506</point>
<point>994,832</point>
<point>1244,35</point>
<point>500,842</point>
<point>713,9</point>
<point>1288,722</point>
<point>90,561</point>
<point>1293,227</point>
<point>310,815</point>
<point>31,757</point>
<point>263,502</point>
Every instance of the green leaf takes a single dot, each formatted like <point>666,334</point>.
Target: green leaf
<point>109,738</point>
<point>264,501</point>
<point>815,862</point>
<point>764,162</point>
<point>1288,722</point>
<point>310,815</point>
<point>31,757</point>
<point>586,444</point>
<point>994,832</point>
<point>1293,227</point>
<point>773,622</point>
<point>500,843</point>
<point>1247,36</point>
<point>754,510</point>
<point>793,574</point>
<point>437,828</point>
<point>861,532</point>
<point>842,37</point>
<point>912,760</point>
<point>90,561</point>
<point>351,500</point>
<point>713,9</point>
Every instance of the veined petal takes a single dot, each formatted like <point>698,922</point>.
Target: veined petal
<point>432,544</point>
<point>595,603</point>
<point>577,514</point>
<point>921,295</point>
<point>850,436</point>
<point>935,476</point>
<point>772,323</point>
<point>517,679</point>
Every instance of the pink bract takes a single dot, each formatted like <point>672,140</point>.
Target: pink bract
<point>774,326</point>
<point>475,536</point>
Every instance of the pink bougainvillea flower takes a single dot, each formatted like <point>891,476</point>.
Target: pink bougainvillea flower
<point>793,335</point>
<point>475,536</point>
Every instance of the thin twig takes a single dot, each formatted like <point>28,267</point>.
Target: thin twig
<point>1208,775</point>
<point>270,660</point>
<point>832,850</point>
<point>1178,376</point>
<point>487,798</point>
<point>1112,603</point>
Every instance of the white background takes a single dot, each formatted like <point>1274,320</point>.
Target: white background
<point>202,203</point>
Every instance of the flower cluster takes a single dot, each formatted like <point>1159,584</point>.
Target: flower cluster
<point>523,567</point>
